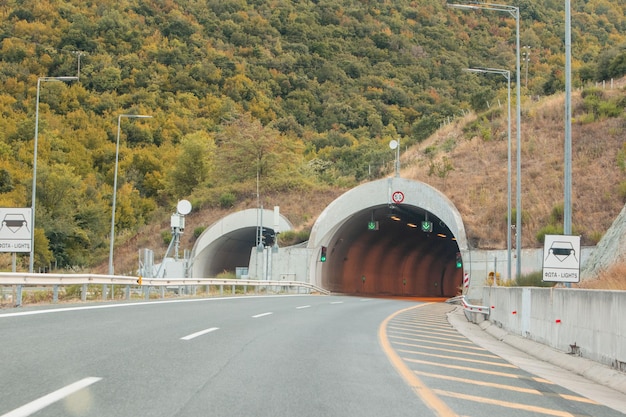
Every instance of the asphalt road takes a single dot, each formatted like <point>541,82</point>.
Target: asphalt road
<point>262,356</point>
<point>274,356</point>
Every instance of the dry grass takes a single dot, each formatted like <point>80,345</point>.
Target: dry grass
<point>614,278</point>
<point>478,183</point>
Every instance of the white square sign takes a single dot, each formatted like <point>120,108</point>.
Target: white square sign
<point>15,228</point>
<point>561,258</point>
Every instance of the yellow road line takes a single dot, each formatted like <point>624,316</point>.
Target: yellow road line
<point>516,406</point>
<point>432,342</point>
<point>440,349</point>
<point>506,387</point>
<point>490,363</point>
<point>427,395</point>
<point>479,371</point>
<point>428,336</point>
<point>479,382</point>
<point>411,326</point>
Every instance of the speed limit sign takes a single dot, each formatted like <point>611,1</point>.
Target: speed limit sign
<point>397,197</point>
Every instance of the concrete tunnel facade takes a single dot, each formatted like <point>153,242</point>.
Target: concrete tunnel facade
<point>397,257</point>
<point>373,237</point>
<point>227,243</point>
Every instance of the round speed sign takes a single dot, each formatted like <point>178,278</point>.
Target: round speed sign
<point>397,197</point>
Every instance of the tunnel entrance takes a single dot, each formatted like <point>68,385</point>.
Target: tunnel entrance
<point>393,250</point>
<point>229,243</point>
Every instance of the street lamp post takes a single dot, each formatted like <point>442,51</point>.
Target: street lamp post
<point>513,11</point>
<point>507,75</point>
<point>34,187</point>
<point>117,155</point>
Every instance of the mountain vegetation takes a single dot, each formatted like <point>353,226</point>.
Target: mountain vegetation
<point>294,97</point>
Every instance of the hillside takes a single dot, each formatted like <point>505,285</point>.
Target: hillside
<point>476,181</point>
<point>304,96</point>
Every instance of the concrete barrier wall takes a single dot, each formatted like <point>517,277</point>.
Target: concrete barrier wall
<point>590,323</point>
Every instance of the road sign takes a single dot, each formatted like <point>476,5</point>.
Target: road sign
<point>397,197</point>
<point>561,258</point>
<point>15,229</point>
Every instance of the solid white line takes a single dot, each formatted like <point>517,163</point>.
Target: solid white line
<point>301,307</point>
<point>43,402</point>
<point>261,315</point>
<point>135,304</point>
<point>200,333</point>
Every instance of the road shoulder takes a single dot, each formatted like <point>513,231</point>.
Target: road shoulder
<point>583,376</point>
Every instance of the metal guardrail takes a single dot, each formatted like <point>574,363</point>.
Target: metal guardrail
<point>471,308</point>
<point>56,280</point>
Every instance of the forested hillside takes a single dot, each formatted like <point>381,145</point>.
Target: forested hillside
<point>302,95</point>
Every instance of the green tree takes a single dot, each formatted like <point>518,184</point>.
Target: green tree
<point>194,163</point>
<point>247,149</point>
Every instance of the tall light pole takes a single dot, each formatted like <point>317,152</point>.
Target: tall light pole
<point>507,75</point>
<point>117,156</point>
<point>567,201</point>
<point>513,11</point>
<point>36,145</point>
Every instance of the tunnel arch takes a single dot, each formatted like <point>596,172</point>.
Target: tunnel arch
<point>398,257</point>
<point>227,243</point>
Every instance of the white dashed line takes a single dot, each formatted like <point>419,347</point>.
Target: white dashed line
<point>200,333</point>
<point>261,315</point>
<point>41,403</point>
<point>301,307</point>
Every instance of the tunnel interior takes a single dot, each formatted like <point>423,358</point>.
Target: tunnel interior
<point>395,250</point>
<point>232,250</point>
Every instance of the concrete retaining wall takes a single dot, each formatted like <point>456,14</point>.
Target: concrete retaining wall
<point>589,323</point>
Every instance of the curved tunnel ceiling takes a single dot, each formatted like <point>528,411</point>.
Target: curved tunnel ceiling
<point>227,244</point>
<point>229,252</point>
<point>396,258</point>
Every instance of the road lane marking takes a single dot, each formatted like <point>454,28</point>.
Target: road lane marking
<point>440,349</point>
<point>262,315</point>
<point>504,387</point>
<point>200,333</point>
<point>516,406</point>
<point>426,336</point>
<point>41,403</point>
<point>431,342</point>
<point>461,359</point>
<point>337,302</point>
<point>136,304</point>
<point>476,370</point>
<point>301,307</point>
<point>438,329</point>
<point>426,394</point>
